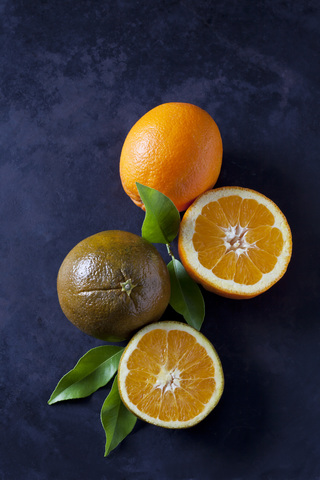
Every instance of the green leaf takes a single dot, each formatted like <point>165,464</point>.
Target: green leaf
<point>93,370</point>
<point>116,419</point>
<point>162,220</point>
<point>186,297</point>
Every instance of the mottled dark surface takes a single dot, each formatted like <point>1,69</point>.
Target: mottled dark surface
<point>75,76</point>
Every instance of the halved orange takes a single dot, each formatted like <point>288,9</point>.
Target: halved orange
<point>235,242</point>
<point>170,375</point>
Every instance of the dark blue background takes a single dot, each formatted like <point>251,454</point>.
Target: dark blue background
<point>75,76</point>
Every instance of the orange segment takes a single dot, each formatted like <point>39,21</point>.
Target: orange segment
<point>263,260</point>
<point>215,214</point>
<point>211,256</point>
<point>155,347</point>
<point>188,405</point>
<point>147,400</point>
<point>169,409</point>
<point>246,271</point>
<point>185,386</point>
<point>140,384</point>
<point>179,345</point>
<point>253,235</point>
<point>262,216</point>
<point>273,242</point>
<point>140,391</point>
<point>226,268</point>
<point>211,229</point>
<point>235,242</point>
<point>139,357</point>
<point>247,210</point>
<point>204,242</point>
<point>201,389</point>
<point>231,207</point>
<point>196,364</point>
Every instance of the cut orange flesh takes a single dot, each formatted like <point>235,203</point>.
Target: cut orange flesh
<point>170,375</point>
<point>235,242</point>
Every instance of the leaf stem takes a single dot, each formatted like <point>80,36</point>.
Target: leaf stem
<point>169,250</point>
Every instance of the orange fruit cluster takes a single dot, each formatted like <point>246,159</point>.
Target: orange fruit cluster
<point>235,242</point>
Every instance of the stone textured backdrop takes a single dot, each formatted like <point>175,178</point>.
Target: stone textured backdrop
<point>75,76</point>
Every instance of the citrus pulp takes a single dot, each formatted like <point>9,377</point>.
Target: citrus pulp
<point>235,242</point>
<point>170,375</point>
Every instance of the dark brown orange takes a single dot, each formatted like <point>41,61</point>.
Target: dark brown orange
<point>113,283</point>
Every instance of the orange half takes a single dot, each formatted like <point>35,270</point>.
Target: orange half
<point>170,375</point>
<point>235,242</point>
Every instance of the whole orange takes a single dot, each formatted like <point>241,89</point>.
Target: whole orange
<point>175,148</point>
<point>112,284</point>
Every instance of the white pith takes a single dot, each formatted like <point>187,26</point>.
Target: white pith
<point>169,380</point>
<point>232,240</point>
<point>235,239</point>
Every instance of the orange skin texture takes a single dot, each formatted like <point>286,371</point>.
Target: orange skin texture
<point>90,282</point>
<point>175,148</point>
